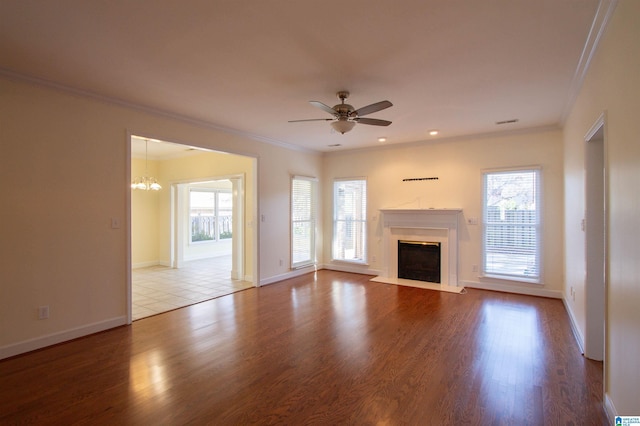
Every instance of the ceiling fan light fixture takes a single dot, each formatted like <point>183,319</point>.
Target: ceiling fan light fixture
<point>342,125</point>
<point>345,116</point>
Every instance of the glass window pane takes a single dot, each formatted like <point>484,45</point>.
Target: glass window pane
<point>512,224</point>
<point>350,213</point>
<point>210,214</point>
<point>302,221</point>
<point>202,206</point>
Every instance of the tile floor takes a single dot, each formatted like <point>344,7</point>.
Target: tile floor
<point>158,289</point>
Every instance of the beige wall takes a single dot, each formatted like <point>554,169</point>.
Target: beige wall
<point>64,176</point>
<point>458,164</point>
<point>145,209</point>
<point>612,85</point>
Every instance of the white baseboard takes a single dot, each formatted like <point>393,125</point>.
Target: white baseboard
<point>609,408</point>
<point>354,268</point>
<point>59,337</point>
<point>574,326</point>
<point>145,264</point>
<point>526,289</point>
<point>290,274</point>
<point>418,284</point>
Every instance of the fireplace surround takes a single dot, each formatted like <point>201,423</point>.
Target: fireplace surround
<point>421,225</point>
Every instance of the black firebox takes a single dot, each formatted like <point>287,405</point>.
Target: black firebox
<point>419,260</point>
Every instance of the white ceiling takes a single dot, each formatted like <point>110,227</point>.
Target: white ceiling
<point>458,66</point>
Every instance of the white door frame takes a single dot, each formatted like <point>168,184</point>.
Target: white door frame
<point>596,243</point>
<point>251,225</point>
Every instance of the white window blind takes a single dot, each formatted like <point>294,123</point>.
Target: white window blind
<point>303,221</point>
<point>511,219</point>
<point>350,220</point>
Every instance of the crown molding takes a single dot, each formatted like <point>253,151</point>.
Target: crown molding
<point>598,27</point>
<point>12,75</point>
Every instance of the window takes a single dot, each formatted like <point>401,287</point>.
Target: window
<point>350,220</point>
<point>210,214</point>
<point>511,219</point>
<point>303,221</point>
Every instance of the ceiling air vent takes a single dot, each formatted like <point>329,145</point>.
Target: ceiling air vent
<point>514,120</point>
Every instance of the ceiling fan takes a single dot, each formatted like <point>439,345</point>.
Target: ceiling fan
<point>346,116</point>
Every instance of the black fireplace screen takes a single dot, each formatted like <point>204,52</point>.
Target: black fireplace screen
<point>418,260</point>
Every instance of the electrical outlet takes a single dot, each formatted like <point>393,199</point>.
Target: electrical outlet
<point>43,312</point>
<point>281,262</point>
<point>373,258</point>
<point>474,268</point>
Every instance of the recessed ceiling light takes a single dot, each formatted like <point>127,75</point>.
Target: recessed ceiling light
<point>433,132</point>
<point>382,139</point>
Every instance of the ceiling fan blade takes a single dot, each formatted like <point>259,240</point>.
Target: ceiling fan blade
<point>312,119</point>
<point>369,109</point>
<point>323,107</point>
<point>372,121</point>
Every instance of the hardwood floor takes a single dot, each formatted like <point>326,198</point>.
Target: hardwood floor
<point>328,349</point>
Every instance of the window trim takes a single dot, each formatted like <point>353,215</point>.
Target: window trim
<point>365,222</point>
<point>313,221</point>
<point>538,225</point>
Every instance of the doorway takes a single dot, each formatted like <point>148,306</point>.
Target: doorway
<point>595,241</point>
<point>207,220</point>
<point>215,258</point>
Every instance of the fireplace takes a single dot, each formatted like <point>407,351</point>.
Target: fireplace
<point>439,226</point>
<point>419,260</point>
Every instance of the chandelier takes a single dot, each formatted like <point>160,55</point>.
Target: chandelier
<point>146,182</point>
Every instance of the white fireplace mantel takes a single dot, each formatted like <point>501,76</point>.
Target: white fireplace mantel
<point>410,216</point>
<point>439,225</point>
